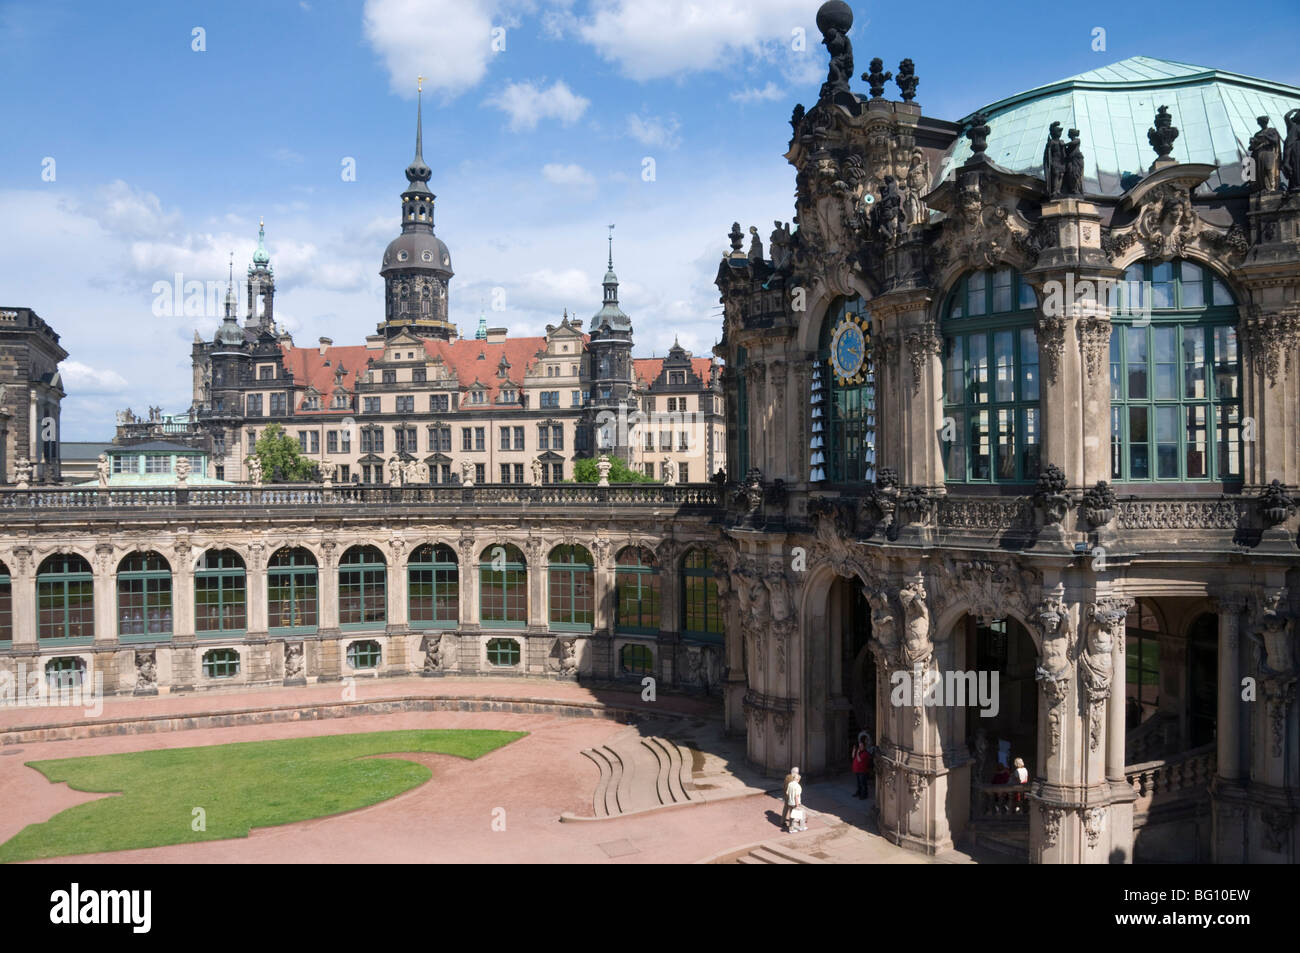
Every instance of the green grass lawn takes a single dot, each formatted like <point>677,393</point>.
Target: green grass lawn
<point>238,786</point>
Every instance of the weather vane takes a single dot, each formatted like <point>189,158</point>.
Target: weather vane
<point>419,84</point>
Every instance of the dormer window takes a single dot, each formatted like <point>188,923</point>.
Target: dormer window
<point>426,255</point>
<point>402,256</point>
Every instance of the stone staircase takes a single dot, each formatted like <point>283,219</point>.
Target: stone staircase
<point>772,854</point>
<point>639,774</point>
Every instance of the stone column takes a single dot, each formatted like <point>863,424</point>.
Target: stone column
<point>105,595</point>
<point>23,589</point>
<point>255,589</point>
<point>1228,731</point>
<point>535,554</point>
<point>395,563</point>
<point>917,390</point>
<point>327,589</point>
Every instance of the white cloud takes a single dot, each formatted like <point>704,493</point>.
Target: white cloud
<point>570,174</point>
<point>84,379</point>
<point>286,155</point>
<point>120,208</point>
<point>528,103</point>
<point>654,131</point>
<point>769,93</point>
<point>654,39</point>
<point>448,42</point>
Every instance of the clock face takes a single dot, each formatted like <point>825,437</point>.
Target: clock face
<point>848,351</point>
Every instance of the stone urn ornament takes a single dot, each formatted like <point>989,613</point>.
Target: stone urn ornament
<point>1050,496</point>
<point>603,466</point>
<point>1099,504</point>
<point>1275,505</point>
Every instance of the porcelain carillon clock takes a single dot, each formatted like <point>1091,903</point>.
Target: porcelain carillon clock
<point>849,350</point>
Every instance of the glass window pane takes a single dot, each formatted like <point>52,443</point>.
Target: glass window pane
<point>1136,344</point>
<point>1002,291</point>
<point>979,369</point>
<point>1139,457</point>
<point>1030,441</point>
<point>1162,340</point>
<point>1229,442</point>
<point>1116,443</point>
<point>1197,438</point>
<point>975,295</point>
<point>1194,363</point>
<point>1226,379</point>
<point>1006,444</point>
<point>1028,300</point>
<point>956,369</point>
<point>1028,364</point>
<point>1004,356</point>
<point>1222,296</point>
<point>1116,366</point>
<point>1167,442</point>
<point>980,446</point>
<point>1193,286</point>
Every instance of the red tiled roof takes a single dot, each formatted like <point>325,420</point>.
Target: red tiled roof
<point>461,358</point>
<point>648,369</point>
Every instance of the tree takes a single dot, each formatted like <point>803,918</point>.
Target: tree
<point>277,450</point>
<point>584,471</point>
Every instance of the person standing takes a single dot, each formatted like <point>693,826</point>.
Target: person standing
<point>793,799</point>
<point>861,765</point>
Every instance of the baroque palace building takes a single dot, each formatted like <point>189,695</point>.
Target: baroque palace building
<point>417,404</point>
<point>1012,407</point>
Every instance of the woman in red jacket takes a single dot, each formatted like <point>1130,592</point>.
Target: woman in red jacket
<point>861,765</point>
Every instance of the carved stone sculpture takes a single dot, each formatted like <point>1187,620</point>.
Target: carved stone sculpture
<point>781,245</point>
<point>1072,183</point>
<point>466,473</point>
<point>669,471</point>
<point>104,469</point>
<point>182,470</point>
<point>917,647</point>
<point>1291,151</point>
<point>254,464</point>
<point>1266,154</point>
<point>918,185</point>
<point>536,467</point>
<point>907,80</point>
<point>293,660</point>
<point>978,133</point>
<point>1162,134</point>
<point>146,672</point>
<point>1106,622</point>
<point>876,79</point>
<point>835,19</point>
<point>1054,161</point>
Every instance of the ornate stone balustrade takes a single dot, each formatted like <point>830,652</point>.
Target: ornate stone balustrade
<point>1001,802</point>
<point>1183,777</point>
<point>987,513</point>
<point>15,502</point>
<point>1223,513</point>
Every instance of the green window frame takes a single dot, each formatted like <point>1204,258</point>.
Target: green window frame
<point>503,653</point>
<point>638,598</point>
<point>1175,377</point>
<point>364,655</point>
<point>571,588</point>
<point>220,594</point>
<point>363,588</point>
<point>433,587</point>
<point>292,592</point>
<point>144,598</point>
<point>1142,664</point>
<point>503,587</point>
<point>220,663</point>
<point>992,427</point>
<point>634,659</point>
<point>849,413</point>
<point>65,599</point>
<point>66,671</point>
<point>6,605</point>
<point>701,614</point>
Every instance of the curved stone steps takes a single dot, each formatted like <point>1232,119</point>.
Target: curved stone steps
<point>605,800</point>
<point>670,781</point>
<point>638,774</point>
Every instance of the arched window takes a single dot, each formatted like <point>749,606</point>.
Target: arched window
<point>433,587</point>
<point>636,588</point>
<point>503,653</point>
<point>1175,379</point>
<point>503,587</point>
<point>6,605</point>
<point>65,598</point>
<point>993,426</point>
<point>636,659</point>
<point>144,597</point>
<point>571,588</point>
<point>363,587</point>
<point>68,671</point>
<point>701,619</point>
<point>846,376</point>
<point>291,605</point>
<point>220,597</point>
<point>220,663</point>
<point>363,655</point>
<point>1142,663</point>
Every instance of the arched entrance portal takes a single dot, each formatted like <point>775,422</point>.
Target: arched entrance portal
<point>841,677</point>
<point>1000,732</point>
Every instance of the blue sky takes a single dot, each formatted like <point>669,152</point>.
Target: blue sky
<point>165,157</point>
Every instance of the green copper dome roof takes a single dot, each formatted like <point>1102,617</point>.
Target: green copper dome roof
<point>260,257</point>
<point>1113,107</point>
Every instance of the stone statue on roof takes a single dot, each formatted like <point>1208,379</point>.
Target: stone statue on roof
<point>1291,151</point>
<point>104,469</point>
<point>1072,181</point>
<point>1054,161</point>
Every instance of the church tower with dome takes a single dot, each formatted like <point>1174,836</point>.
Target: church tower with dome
<point>417,265</point>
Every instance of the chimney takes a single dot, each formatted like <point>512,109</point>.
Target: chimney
<point>496,335</point>
<point>324,345</point>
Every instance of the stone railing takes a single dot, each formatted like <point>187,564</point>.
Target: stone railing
<point>1222,513</point>
<point>1017,514</point>
<point>1181,778</point>
<point>36,499</point>
<point>1001,802</point>
<point>986,513</point>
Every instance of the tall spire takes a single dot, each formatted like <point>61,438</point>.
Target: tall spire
<point>418,172</point>
<point>611,248</point>
<point>260,257</point>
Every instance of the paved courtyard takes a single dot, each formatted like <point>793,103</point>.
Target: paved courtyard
<point>524,787</point>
